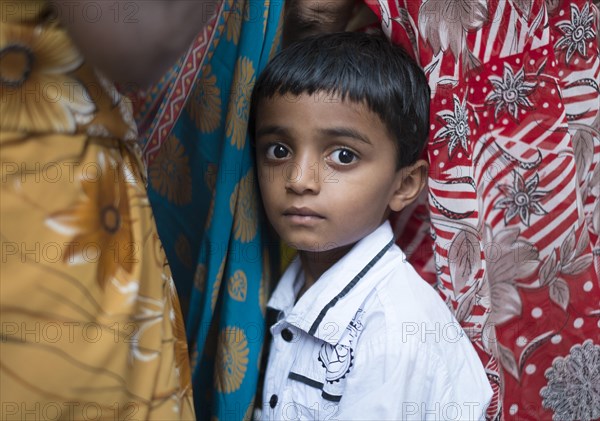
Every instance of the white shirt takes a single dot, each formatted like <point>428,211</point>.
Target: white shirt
<point>370,340</point>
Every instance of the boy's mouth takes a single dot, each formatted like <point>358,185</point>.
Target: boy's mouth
<point>302,214</point>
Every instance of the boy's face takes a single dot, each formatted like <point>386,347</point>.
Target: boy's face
<point>327,170</point>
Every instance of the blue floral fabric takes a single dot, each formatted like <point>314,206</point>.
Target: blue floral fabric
<point>207,207</point>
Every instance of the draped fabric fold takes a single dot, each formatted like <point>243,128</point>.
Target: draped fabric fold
<point>91,324</point>
<point>204,195</point>
<point>509,228</point>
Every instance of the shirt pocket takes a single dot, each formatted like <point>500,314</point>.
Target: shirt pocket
<point>316,385</point>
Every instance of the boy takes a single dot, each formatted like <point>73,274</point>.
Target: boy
<point>339,122</point>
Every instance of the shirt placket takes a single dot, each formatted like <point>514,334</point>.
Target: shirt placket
<point>283,353</point>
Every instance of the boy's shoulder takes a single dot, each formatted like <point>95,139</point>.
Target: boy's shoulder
<point>404,312</point>
<point>407,328</point>
<point>404,295</point>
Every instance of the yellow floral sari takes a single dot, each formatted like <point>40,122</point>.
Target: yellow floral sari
<point>90,322</point>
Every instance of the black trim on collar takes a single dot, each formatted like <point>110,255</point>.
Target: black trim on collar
<point>348,287</point>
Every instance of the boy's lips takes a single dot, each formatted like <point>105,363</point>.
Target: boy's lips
<point>302,215</point>
<point>303,211</point>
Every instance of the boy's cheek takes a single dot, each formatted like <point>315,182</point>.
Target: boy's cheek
<point>266,175</point>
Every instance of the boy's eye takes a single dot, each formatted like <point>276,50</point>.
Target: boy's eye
<point>277,151</point>
<point>343,156</point>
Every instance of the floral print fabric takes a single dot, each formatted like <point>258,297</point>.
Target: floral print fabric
<point>91,325</point>
<point>205,198</point>
<point>509,228</point>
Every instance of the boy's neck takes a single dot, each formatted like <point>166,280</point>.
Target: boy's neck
<point>314,264</point>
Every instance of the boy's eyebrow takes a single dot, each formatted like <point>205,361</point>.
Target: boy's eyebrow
<point>273,129</point>
<point>345,132</point>
<point>328,132</point>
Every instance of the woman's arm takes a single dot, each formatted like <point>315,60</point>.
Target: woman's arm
<point>135,41</point>
<point>310,17</point>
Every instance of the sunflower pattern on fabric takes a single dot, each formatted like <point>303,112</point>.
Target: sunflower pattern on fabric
<point>234,22</point>
<point>170,174</point>
<point>227,283</point>
<point>243,205</point>
<point>238,286</point>
<point>89,263</point>
<point>205,104</point>
<point>232,359</point>
<point>38,64</point>
<point>182,248</point>
<point>237,119</point>
<point>200,277</point>
<point>100,221</point>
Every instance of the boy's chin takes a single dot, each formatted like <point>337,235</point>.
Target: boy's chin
<point>311,247</point>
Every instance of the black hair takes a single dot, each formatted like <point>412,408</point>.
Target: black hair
<point>361,68</point>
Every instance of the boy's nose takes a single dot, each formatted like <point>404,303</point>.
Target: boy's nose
<point>301,177</point>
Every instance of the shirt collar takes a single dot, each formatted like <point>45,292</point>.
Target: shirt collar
<point>329,305</point>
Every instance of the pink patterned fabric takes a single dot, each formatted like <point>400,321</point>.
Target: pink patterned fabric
<point>513,207</point>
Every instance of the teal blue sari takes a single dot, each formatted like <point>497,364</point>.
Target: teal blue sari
<point>206,204</point>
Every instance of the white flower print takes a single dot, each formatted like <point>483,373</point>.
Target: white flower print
<point>386,20</point>
<point>573,389</point>
<point>444,25</point>
<point>513,258</point>
<point>577,31</point>
<point>510,92</point>
<point>521,198</point>
<point>457,127</point>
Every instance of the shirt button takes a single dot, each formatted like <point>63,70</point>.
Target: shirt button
<point>273,401</point>
<point>287,335</point>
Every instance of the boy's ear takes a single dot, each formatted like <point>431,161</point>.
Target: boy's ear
<point>408,184</point>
